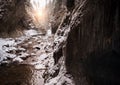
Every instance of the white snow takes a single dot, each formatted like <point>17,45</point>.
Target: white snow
<point>8,47</point>
<point>43,56</point>
<point>40,66</point>
<point>18,49</point>
<point>17,59</point>
<point>5,46</point>
<point>31,32</point>
<point>49,32</point>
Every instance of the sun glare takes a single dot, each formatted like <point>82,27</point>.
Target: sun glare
<point>39,11</point>
<point>38,4</point>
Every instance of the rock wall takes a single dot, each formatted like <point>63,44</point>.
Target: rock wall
<point>92,50</point>
<point>12,13</point>
<point>87,38</point>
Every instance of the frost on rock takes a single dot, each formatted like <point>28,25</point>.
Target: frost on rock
<point>5,46</point>
<point>10,49</point>
<point>58,75</point>
<point>37,50</point>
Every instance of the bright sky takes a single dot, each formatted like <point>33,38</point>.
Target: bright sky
<point>39,4</point>
<point>38,12</point>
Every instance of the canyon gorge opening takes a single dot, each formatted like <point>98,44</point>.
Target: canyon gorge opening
<point>83,47</point>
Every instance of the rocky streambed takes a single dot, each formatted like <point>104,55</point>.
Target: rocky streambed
<point>28,60</point>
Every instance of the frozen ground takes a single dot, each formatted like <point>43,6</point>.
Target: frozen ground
<point>25,48</point>
<point>36,50</point>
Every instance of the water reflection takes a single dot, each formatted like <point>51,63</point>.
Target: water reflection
<point>20,75</point>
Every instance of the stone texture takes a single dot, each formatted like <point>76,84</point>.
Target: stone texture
<point>12,16</point>
<point>91,41</point>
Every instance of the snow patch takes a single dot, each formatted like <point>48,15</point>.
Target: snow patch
<point>30,32</point>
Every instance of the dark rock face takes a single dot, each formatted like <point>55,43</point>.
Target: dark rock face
<point>70,4</point>
<point>13,11</point>
<point>92,50</point>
